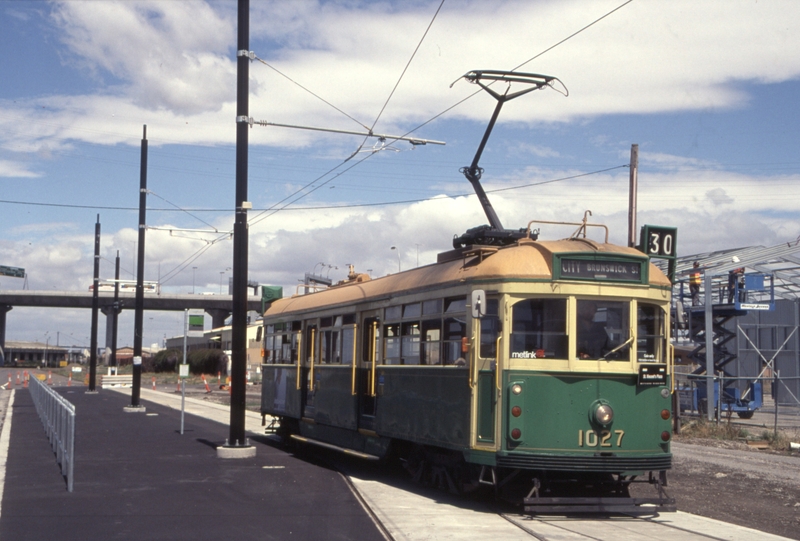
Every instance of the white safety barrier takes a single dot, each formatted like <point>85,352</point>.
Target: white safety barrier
<point>58,418</point>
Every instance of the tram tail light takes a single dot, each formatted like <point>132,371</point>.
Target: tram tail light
<point>665,436</point>
<point>665,414</point>
<point>516,403</point>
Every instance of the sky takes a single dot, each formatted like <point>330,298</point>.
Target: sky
<point>707,90</point>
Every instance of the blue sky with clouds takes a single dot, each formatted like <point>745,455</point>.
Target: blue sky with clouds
<point>707,90</point>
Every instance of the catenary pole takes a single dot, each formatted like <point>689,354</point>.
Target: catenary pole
<point>115,314</point>
<point>95,309</point>
<point>236,439</point>
<point>138,319</point>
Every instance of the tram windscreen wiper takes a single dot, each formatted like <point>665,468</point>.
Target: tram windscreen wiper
<point>616,349</point>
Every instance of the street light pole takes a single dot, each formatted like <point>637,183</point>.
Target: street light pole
<point>193,269</point>
<point>398,257</point>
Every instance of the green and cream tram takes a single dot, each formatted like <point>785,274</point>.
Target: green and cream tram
<point>547,359</point>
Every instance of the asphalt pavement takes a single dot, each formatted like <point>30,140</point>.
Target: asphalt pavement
<point>136,477</point>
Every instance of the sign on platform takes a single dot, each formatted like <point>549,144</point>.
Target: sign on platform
<point>196,322</point>
<point>183,370</point>
<point>16,272</point>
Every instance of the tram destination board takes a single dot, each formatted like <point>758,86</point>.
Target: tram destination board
<point>606,270</point>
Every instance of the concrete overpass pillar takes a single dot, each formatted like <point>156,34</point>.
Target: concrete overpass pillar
<point>3,309</point>
<point>109,312</point>
<point>218,316</point>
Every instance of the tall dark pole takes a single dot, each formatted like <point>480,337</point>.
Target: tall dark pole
<point>632,197</point>
<point>240,240</point>
<point>139,308</point>
<point>95,308</point>
<point>115,309</point>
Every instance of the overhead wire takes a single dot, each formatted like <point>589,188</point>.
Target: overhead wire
<point>301,193</point>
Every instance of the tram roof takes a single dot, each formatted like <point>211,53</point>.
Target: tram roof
<point>529,260</point>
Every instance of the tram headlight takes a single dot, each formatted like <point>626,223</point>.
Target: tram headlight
<point>603,414</point>
<point>516,388</point>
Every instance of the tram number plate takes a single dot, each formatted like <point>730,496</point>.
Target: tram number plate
<point>603,438</point>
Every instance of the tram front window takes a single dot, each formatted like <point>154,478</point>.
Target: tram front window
<point>650,340</point>
<point>603,330</point>
<point>539,329</point>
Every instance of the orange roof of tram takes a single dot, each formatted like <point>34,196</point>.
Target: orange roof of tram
<point>525,260</point>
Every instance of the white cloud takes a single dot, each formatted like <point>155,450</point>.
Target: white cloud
<point>16,169</point>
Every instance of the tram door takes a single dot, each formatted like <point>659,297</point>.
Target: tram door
<point>486,365</point>
<point>310,354</point>
<point>368,363</point>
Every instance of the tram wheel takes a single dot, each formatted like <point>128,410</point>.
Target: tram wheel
<point>745,414</point>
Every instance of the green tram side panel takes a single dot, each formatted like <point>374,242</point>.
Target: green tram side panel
<point>427,405</point>
<point>556,409</point>
<point>334,403</point>
<point>279,394</point>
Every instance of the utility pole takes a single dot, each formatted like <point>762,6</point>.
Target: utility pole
<point>632,196</point>
<point>237,446</point>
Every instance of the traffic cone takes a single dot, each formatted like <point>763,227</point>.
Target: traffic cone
<point>219,374</point>
<point>228,382</point>
<point>154,383</point>
<point>18,382</point>
<point>178,389</point>
<point>69,381</point>
<point>25,379</point>
<point>9,380</point>
<point>50,377</point>
<point>208,389</point>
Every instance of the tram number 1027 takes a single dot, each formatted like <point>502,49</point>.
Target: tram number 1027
<point>603,438</point>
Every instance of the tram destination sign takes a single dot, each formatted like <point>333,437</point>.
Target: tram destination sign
<point>652,375</point>
<point>606,270</point>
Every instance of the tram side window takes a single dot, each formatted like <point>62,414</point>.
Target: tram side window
<point>410,342</point>
<point>650,338</point>
<point>454,330</point>
<point>431,341</point>
<point>603,330</point>
<point>391,341</point>
<point>280,344</point>
<point>539,329</point>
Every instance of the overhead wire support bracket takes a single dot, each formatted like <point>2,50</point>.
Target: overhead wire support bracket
<point>413,140</point>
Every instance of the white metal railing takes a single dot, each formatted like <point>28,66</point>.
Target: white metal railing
<point>58,418</point>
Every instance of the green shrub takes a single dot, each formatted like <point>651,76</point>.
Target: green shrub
<point>167,360</point>
<point>208,361</point>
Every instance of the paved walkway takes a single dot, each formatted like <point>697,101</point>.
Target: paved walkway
<point>138,478</point>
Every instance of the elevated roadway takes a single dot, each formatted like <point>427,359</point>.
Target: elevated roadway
<point>217,306</point>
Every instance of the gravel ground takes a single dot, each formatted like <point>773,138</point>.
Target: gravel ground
<point>757,489</point>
